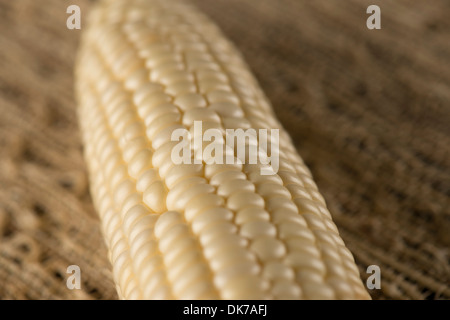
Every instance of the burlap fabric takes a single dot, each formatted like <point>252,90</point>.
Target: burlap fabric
<point>369,112</point>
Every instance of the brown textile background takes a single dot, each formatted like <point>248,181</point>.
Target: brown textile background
<point>369,112</point>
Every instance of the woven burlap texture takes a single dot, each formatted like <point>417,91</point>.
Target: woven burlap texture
<point>369,112</point>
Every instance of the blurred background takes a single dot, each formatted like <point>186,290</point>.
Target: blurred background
<point>368,110</point>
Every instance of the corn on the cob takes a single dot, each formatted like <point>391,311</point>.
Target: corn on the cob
<point>195,231</point>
